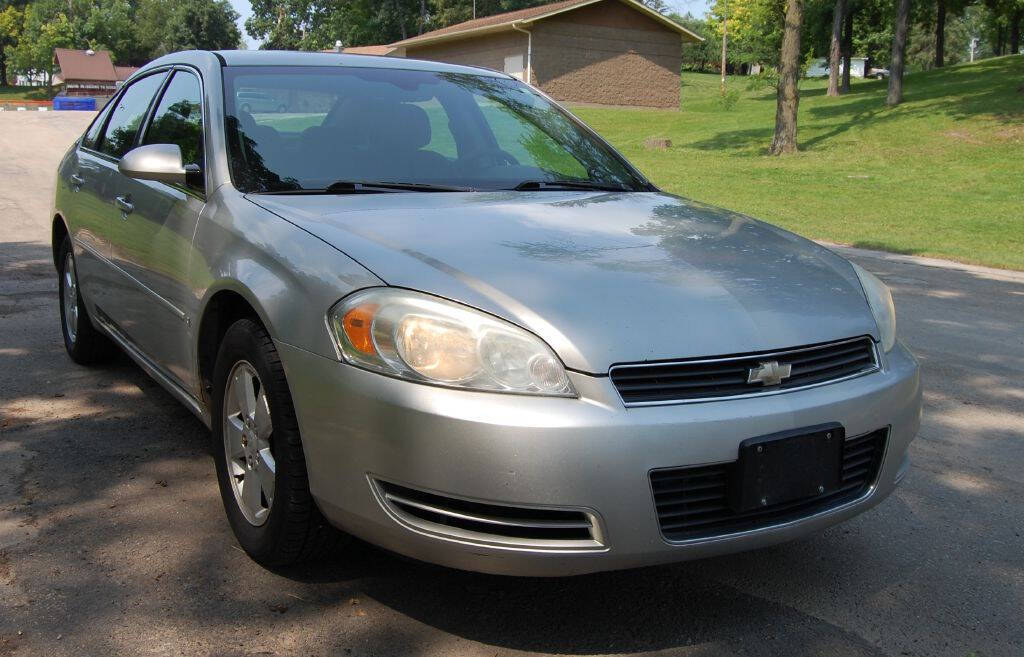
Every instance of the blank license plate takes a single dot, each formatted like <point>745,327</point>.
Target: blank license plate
<point>787,466</point>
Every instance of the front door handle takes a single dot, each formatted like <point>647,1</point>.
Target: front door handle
<point>125,204</point>
<point>77,180</point>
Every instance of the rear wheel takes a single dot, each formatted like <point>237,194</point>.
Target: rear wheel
<point>261,467</point>
<point>84,344</point>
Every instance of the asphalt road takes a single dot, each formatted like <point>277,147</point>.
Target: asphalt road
<point>113,540</point>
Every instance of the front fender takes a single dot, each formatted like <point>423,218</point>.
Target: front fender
<point>289,277</point>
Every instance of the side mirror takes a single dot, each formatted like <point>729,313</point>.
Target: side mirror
<point>160,162</point>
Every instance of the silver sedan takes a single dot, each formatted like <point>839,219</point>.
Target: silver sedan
<point>430,308</point>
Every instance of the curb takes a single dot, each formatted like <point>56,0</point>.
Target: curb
<point>938,263</point>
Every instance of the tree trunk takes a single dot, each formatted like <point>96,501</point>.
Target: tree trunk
<point>940,34</point>
<point>1015,31</point>
<point>788,100</point>
<point>844,87</point>
<point>423,14</point>
<point>401,19</point>
<point>899,49</point>
<point>835,51</point>
<point>725,30</point>
<point>3,68</point>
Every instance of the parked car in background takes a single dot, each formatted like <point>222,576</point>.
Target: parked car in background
<point>258,102</point>
<point>437,312</point>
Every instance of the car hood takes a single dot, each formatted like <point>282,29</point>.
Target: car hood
<point>604,278</point>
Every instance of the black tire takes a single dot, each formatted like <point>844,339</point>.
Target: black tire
<point>84,344</point>
<point>294,530</point>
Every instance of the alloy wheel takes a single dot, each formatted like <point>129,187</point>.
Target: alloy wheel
<point>247,431</point>
<point>70,289</point>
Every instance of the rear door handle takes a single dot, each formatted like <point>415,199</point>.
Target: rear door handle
<point>126,206</point>
<point>77,180</point>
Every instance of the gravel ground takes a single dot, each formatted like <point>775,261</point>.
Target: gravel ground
<point>113,540</point>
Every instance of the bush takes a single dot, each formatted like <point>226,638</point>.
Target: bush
<point>728,99</point>
<point>766,79</point>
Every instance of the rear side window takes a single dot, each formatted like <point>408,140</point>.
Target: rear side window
<point>125,119</point>
<point>93,133</point>
<point>179,120</point>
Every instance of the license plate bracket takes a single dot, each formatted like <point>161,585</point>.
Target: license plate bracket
<point>786,466</point>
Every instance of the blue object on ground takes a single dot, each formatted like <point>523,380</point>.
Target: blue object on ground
<point>70,103</point>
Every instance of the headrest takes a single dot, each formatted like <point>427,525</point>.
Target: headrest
<point>246,122</point>
<point>412,125</point>
<point>373,121</point>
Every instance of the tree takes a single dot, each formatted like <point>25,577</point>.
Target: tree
<point>899,50</point>
<point>12,21</point>
<point>151,20</point>
<point>697,56</point>
<point>46,27</point>
<point>203,25</point>
<point>835,47</point>
<point>844,88</point>
<point>940,32</point>
<point>1015,20</point>
<point>755,29</point>
<point>108,25</point>
<point>788,99</point>
<point>725,39</point>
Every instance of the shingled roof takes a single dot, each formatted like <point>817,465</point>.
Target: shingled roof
<point>85,65</point>
<point>500,22</point>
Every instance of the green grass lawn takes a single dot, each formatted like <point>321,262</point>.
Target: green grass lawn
<point>940,175</point>
<point>22,93</point>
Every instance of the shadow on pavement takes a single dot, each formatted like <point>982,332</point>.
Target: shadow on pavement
<point>124,543</point>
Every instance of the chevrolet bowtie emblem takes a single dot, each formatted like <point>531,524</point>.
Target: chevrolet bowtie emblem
<point>769,373</point>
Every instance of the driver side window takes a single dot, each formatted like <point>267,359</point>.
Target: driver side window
<point>125,119</point>
<point>179,120</point>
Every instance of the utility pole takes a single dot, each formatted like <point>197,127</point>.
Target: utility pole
<point>725,29</point>
<point>474,9</point>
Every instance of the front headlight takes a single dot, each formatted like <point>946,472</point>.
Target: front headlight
<point>880,300</point>
<point>431,340</point>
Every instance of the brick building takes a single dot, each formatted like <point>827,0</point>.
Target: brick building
<point>610,52</point>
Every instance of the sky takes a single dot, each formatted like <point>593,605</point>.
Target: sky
<point>695,7</point>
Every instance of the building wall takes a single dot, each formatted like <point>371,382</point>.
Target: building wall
<point>610,54</point>
<point>488,50</point>
<point>605,53</point>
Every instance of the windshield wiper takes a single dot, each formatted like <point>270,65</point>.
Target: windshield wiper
<point>556,185</point>
<point>383,187</point>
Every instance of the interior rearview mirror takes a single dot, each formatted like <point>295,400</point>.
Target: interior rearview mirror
<point>161,162</point>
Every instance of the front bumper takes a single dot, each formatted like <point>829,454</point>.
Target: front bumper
<point>591,454</point>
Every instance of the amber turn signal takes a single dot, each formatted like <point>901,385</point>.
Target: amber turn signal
<point>357,324</point>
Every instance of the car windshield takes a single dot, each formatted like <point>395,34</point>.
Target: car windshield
<point>337,129</point>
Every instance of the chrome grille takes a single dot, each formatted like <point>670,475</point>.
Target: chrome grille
<point>728,376</point>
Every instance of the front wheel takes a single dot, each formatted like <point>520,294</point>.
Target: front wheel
<point>261,467</point>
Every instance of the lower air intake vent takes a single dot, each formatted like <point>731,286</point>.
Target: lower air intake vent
<point>694,503</point>
<point>491,523</point>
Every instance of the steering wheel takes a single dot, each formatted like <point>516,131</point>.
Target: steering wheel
<point>493,157</point>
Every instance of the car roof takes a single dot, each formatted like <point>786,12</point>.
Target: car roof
<point>326,59</point>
